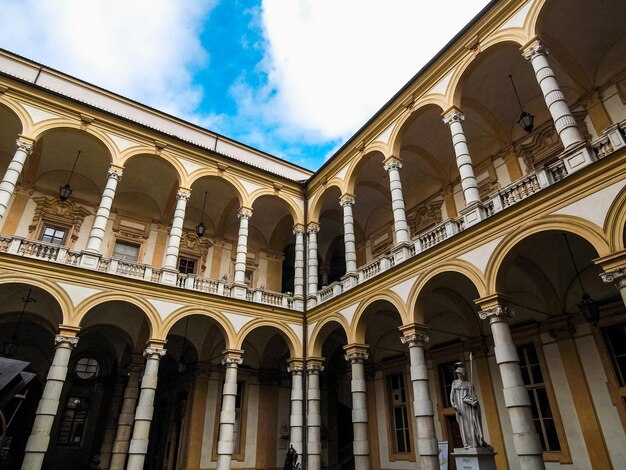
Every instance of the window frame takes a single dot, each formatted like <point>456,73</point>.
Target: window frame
<point>395,367</point>
<point>123,241</point>
<point>192,259</point>
<point>56,227</point>
<point>72,422</point>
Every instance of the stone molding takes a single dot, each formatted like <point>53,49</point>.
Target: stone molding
<point>499,311</point>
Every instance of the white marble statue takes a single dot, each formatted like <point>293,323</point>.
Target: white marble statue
<point>465,402</point>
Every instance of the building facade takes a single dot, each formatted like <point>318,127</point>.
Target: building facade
<point>188,302</point>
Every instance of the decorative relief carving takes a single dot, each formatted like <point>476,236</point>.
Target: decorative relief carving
<point>63,213</point>
<point>425,216</point>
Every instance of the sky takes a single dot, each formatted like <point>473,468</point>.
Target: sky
<point>294,78</point>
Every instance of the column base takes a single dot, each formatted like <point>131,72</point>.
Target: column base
<point>89,260</point>
<point>239,291</point>
<point>349,280</point>
<point>169,276</point>
<point>473,214</point>
<point>577,157</point>
<point>401,252</point>
<point>479,458</point>
<point>311,301</point>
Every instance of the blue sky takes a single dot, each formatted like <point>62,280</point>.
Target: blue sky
<point>294,78</point>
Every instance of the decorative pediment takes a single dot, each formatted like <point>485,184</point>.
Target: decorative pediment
<point>192,243</point>
<point>426,215</point>
<point>62,213</point>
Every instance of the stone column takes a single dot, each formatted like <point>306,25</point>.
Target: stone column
<point>298,282</point>
<point>242,245</point>
<point>356,355</point>
<point>112,417</point>
<point>454,118</point>
<point>314,418</point>
<point>525,437</point>
<point>296,418</point>
<point>349,240</point>
<point>126,417</point>
<point>24,147</point>
<point>564,122</point>
<point>618,278</point>
<point>427,446</point>
<point>312,230</point>
<point>114,175</point>
<point>232,360</point>
<point>176,232</point>
<point>401,228</point>
<point>37,444</point>
<point>145,409</point>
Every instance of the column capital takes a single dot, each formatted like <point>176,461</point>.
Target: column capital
<point>156,353</point>
<point>183,193</point>
<point>313,227</point>
<point>115,172</point>
<point>298,229</point>
<point>72,341</point>
<point>24,145</point>
<point>453,114</point>
<point>232,357</point>
<point>392,163</point>
<point>499,312</point>
<point>346,200</point>
<point>314,365</point>
<point>356,353</point>
<point>618,277</point>
<point>533,49</point>
<point>244,213</point>
<point>415,339</point>
<point>295,366</point>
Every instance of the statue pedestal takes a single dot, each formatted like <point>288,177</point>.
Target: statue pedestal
<point>479,458</point>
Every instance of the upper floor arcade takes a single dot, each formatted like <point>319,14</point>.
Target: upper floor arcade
<point>160,200</point>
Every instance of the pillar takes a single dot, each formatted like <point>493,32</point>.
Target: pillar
<point>145,409</point>
<point>400,226</point>
<point>356,355</point>
<point>454,118</point>
<point>427,445</point>
<point>232,360</point>
<point>314,418</point>
<point>24,147</point>
<point>176,232</point>
<point>564,122</point>
<point>525,437</point>
<point>96,235</point>
<point>242,245</point>
<point>312,230</point>
<point>39,438</point>
<point>298,282</point>
<point>618,278</point>
<point>349,240</point>
<point>296,418</point>
<point>126,417</point>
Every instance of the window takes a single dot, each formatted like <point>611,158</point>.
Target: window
<point>73,423</point>
<point>126,252</point>
<point>399,414</point>
<point>87,368</point>
<point>615,340</point>
<point>539,402</point>
<point>446,377</point>
<point>53,234</point>
<point>186,265</point>
<point>248,277</point>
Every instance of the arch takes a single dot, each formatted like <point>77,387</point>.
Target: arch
<point>150,152</point>
<point>21,114</point>
<point>154,320</point>
<point>316,203</point>
<point>320,333</point>
<point>465,268</point>
<point>615,220</point>
<point>359,325</point>
<point>465,67</point>
<point>405,121</point>
<point>57,292</point>
<point>230,335</point>
<point>532,19</point>
<point>290,337</point>
<point>241,192</point>
<point>292,207</point>
<point>576,225</point>
<point>351,173</point>
<point>60,124</point>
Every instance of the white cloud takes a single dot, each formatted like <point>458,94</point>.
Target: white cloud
<point>143,49</point>
<point>333,63</point>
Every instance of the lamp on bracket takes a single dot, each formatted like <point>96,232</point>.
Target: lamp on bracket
<point>589,307</point>
<point>200,228</point>
<point>526,120</point>
<point>66,191</point>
